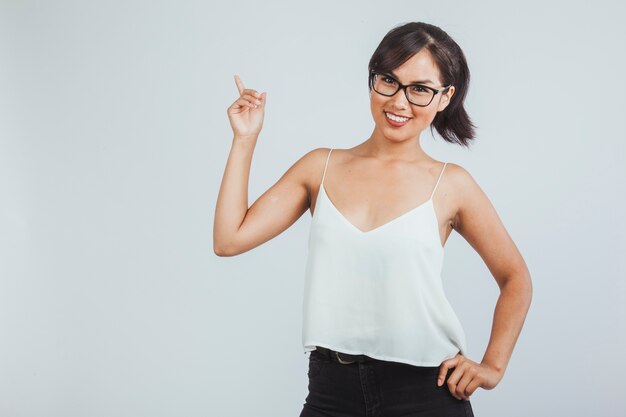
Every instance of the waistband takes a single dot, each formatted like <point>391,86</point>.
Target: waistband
<point>340,357</point>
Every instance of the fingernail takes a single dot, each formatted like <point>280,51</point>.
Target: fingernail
<point>439,382</point>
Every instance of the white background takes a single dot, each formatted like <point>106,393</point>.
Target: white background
<point>113,142</point>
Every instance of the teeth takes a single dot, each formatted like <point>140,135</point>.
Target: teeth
<point>396,118</point>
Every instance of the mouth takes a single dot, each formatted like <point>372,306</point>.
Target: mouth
<point>396,120</point>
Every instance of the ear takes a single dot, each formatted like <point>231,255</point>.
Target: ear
<point>445,99</point>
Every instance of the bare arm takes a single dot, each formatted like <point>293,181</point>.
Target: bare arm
<point>480,225</point>
<point>477,221</point>
<point>232,200</point>
<point>237,228</point>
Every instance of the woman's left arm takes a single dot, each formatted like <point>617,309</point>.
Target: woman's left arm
<point>479,224</point>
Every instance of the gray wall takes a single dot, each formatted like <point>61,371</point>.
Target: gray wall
<point>113,141</point>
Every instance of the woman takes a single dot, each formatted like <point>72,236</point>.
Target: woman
<point>383,338</point>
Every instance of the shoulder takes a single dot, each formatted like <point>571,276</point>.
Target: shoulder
<point>462,181</point>
<point>459,176</point>
<point>463,191</point>
<point>309,162</point>
<point>310,166</point>
<point>469,198</point>
<point>313,161</point>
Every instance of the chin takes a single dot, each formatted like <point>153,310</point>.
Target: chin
<point>396,136</point>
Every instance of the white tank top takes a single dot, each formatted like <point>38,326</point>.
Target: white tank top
<point>378,292</point>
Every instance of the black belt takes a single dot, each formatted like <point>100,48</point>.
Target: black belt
<point>340,357</point>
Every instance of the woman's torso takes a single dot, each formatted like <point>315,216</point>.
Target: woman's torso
<point>377,289</point>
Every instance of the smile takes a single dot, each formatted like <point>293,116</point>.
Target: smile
<point>396,120</point>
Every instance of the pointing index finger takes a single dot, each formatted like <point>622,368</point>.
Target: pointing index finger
<point>239,83</point>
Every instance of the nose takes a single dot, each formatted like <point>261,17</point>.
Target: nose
<point>399,100</point>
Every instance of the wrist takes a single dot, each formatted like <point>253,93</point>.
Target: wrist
<point>499,369</point>
<point>246,138</point>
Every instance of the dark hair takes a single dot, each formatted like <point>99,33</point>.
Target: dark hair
<point>401,43</point>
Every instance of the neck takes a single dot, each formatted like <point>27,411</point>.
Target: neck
<point>380,147</point>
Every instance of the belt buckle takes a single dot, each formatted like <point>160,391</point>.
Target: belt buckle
<point>341,361</point>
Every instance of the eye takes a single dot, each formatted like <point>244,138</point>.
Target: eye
<point>388,80</point>
<point>419,89</point>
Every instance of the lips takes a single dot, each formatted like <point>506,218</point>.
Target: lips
<point>395,123</point>
<point>399,115</point>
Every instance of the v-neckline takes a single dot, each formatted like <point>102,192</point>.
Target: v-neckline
<point>382,226</point>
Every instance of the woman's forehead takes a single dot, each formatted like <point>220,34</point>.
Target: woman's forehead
<point>420,68</point>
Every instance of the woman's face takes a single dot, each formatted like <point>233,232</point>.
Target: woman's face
<point>418,68</point>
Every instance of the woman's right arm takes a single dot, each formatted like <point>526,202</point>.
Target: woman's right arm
<point>238,228</point>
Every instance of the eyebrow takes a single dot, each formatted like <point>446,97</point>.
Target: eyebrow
<point>415,82</point>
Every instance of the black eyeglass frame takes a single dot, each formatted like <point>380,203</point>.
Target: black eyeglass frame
<point>435,91</point>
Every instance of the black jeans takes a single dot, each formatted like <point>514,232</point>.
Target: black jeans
<point>377,388</point>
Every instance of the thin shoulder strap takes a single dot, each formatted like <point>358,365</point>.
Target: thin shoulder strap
<point>326,165</point>
<point>438,179</point>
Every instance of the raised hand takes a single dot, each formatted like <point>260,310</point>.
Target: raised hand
<point>247,112</point>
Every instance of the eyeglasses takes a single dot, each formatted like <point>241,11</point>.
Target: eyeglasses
<point>419,95</point>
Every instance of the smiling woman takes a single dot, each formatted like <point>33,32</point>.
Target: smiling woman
<point>443,70</point>
<point>382,336</point>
